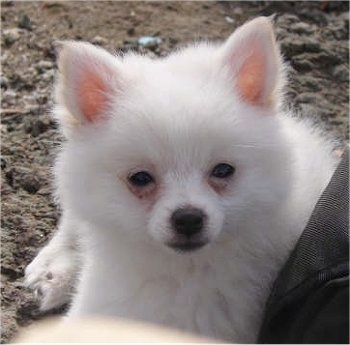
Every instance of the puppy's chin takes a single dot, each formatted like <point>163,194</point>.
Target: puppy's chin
<point>187,246</point>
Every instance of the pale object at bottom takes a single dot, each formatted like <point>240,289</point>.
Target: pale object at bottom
<point>103,330</point>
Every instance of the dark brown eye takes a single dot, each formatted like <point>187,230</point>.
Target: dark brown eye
<point>222,171</point>
<point>141,179</point>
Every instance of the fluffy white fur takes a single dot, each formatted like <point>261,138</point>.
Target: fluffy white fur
<point>178,117</point>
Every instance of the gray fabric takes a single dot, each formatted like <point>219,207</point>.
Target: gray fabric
<point>309,301</point>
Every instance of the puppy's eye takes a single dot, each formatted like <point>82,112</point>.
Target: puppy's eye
<point>223,170</point>
<point>141,179</point>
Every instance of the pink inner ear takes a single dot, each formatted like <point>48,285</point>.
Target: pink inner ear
<point>251,78</point>
<point>92,95</point>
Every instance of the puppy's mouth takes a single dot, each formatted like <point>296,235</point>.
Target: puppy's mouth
<point>187,246</point>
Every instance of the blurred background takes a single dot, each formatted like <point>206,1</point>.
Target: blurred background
<point>314,39</point>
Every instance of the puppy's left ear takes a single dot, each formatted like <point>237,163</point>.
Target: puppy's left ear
<point>254,62</point>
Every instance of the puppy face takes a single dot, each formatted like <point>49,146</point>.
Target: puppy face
<point>179,179</point>
<point>178,150</point>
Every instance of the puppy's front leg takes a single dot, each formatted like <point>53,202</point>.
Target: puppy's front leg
<point>52,275</point>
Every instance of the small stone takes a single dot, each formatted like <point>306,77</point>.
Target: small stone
<point>3,128</point>
<point>29,99</point>
<point>4,82</point>
<point>341,73</point>
<point>31,184</point>
<point>43,66</point>
<point>3,163</point>
<point>41,99</point>
<point>229,20</point>
<point>149,41</point>
<point>9,177</point>
<point>36,127</point>
<point>25,22</point>
<point>11,35</point>
<point>10,272</point>
<point>10,128</point>
<point>99,40</point>
<point>50,52</point>
<point>9,95</point>
<point>48,75</point>
<point>131,31</point>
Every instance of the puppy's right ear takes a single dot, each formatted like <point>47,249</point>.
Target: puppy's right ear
<point>88,82</point>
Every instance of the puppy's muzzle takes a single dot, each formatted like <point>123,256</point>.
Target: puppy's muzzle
<point>188,224</point>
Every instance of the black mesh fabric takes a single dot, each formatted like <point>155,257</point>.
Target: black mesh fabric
<point>309,302</point>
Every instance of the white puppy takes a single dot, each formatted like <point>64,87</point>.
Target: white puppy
<point>184,185</point>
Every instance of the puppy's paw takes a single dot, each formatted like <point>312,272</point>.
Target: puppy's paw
<point>52,276</point>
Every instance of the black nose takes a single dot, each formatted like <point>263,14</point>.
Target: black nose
<point>187,221</point>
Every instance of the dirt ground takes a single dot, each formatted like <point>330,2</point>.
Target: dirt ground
<point>314,40</point>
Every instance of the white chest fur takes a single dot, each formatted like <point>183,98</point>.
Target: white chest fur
<point>218,292</point>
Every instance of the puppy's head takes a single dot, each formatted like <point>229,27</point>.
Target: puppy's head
<point>177,150</point>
